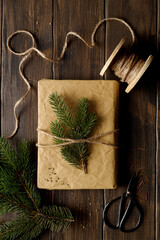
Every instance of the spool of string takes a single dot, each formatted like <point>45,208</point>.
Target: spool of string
<point>126,65</point>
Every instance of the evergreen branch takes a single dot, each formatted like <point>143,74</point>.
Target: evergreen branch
<point>19,228</point>
<point>29,221</point>
<point>7,152</point>
<point>55,218</point>
<point>70,156</point>
<point>8,204</point>
<point>66,151</point>
<point>24,159</point>
<point>83,151</point>
<point>24,154</point>
<point>64,114</point>
<point>82,111</point>
<point>9,185</point>
<point>75,127</point>
<point>89,125</point>
<point>56,129</point>
<point>56,213</point>
<point>29,194</point>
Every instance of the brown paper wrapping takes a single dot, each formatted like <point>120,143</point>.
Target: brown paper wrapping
<point>53,171</point>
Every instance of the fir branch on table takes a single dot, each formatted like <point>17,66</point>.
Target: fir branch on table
<point>72,126</point>
<point>19,195</point>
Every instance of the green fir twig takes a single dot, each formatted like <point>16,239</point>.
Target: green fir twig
<point>18,194</point>
<point>74,126</point>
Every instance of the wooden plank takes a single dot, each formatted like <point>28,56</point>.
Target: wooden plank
<point>137,113</point>
<point>80,63</point>
<point>35,17</point>
<point>1,7</point>
<point>157,195</point>
<point>1,14</point>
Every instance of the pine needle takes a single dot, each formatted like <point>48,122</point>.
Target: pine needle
<point>19,195</point>
<point>77,126</point>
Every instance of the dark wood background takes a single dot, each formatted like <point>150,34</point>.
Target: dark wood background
<point>49,21</point>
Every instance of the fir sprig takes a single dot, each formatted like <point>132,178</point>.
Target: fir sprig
<point>19,195</point>
<point>75,126</point>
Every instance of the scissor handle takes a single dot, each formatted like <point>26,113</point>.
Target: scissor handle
<point>123,214</point>
<point>105,214</point>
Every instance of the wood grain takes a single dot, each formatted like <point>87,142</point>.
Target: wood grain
<point>80,62</point>
<point>1,7</point>
<point>137,113</point>
<point>30,16</point>
<point>1,14</point>
<point>157,163</point>
<point>49,21</point>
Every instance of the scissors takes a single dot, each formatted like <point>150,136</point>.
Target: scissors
<point>129,198</point>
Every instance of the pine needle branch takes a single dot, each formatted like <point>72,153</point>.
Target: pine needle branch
<point>64,114</point>
<point>82,111</point>
<point>7,152</point>
<point>19,195</point>
<point>77,126</point>
<point>9,204</point>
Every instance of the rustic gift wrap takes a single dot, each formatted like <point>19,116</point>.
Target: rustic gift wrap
<point>53,171</point>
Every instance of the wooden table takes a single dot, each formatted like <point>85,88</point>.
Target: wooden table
<point>49,21</point>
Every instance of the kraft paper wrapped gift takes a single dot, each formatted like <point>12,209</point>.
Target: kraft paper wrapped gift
<point>53,171</point>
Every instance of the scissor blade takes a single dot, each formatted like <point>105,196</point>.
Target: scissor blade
<point>132,184</point>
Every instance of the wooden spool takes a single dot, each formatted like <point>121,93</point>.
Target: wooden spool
<point>140,73</point>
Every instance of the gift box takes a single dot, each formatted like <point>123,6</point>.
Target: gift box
<point>53,171</point>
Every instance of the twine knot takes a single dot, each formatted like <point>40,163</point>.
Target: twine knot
<point>69,141</point>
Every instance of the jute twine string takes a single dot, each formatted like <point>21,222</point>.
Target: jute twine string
<point>33,48</point>
<point>69,141</point>
<point>126,66</point>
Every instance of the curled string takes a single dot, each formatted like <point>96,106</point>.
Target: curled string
<point>68,141</point>
<point>28,52</point>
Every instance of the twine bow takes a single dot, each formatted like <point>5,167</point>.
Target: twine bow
<point>68,141</point>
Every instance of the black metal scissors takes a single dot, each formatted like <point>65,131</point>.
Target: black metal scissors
<point>128,197</point>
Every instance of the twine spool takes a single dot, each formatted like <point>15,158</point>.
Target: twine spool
<point>126,65</point>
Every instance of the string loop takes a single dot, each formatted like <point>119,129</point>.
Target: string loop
<point>27,53</point>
